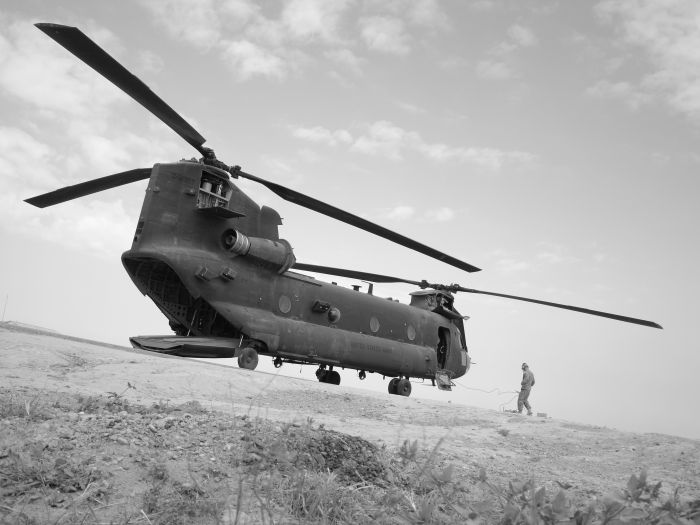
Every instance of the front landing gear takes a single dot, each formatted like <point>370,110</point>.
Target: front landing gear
<point>400,387</point>
<point>328,376</point>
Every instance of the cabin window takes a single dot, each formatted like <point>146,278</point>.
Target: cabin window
<point>374,324</point>
<point>284,304</point>
<point>410,332</point>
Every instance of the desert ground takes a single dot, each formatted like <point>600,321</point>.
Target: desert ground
<point>97,433</point>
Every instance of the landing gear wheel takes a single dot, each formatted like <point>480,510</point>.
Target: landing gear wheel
<point>330,377</point>
<point>248,358</point>
<point>403,387</point>
<point>392,385</point>
<point>333,377</point>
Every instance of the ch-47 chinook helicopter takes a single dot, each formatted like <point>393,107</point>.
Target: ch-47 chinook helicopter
<point>212,261</point>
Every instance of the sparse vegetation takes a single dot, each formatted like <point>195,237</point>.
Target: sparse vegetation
<point>101,459</point>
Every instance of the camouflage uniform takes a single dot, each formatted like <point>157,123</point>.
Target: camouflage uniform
<point>525,385</point>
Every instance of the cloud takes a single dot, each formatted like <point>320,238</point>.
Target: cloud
<point>404,212</point>
<point>669,34</point>
<point>310,19</point>
<point>37,71</point>
<point>521,36</point>
<point>198,22</point>
<point>483,5</point>
<point>61,97</point>
<point>427,13</point>
<point>490,158</point>
<point>509,265</point>
<point>493,70</point>
<point>264,45</point>
<point>150,62</point>
<point>248,60</point>
<point>104,228</point>
<point>453,62</point>
<point>631,95</point>
<point>500,63</point>
<point>99,224</point>
<point>399,213</point>
<point>443,214</point>
<point>385,139</point>
<point>322,135</point>
<point>275,41</point>
<point>411,108</point>
<point>20,154</point>
<point>385,34</point>
<point>58,96</point>
<point>346,58</point>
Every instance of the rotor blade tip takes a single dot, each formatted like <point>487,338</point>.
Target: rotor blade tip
<point>32,201</point>
<point>48,25</point>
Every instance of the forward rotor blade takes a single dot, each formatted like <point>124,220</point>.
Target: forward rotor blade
<point>97,58</point>
<point>348,218</point>
<point>352,274</point>
<point>87,188</point>
<point>566,307</point>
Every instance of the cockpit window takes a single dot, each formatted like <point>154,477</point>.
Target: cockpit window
<point>432,300</point>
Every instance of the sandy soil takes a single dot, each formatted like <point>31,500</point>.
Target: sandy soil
<point>589,461</point>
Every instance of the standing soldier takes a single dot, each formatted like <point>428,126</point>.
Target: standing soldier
<point>525,385</point>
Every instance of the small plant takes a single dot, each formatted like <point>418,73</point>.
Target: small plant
<point>170,502</point>
<point>115,397</point>
<point>526,504</point>
<point>14,404</point>
<point>408,451</point>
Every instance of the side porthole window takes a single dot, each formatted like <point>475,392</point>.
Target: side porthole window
<point>411,332</point>
<point>285,304</point>
<point>374,324</point>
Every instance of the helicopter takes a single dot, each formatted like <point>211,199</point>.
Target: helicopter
<point>212,261</point>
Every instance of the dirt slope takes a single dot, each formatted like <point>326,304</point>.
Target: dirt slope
<point>67,395</point>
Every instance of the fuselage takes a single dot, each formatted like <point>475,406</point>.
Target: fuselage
<point>212,261</point>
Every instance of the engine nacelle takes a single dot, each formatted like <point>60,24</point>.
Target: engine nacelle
<point>277,254</point>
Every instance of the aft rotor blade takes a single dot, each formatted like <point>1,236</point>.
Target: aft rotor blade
<point>97,58</point>
<point>353,274</point>
<point>616,317</point>
<point>87,188</point>
<point>348,218</point>
<point>378,278</point>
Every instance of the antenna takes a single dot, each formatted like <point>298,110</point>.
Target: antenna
<point>7,297</point>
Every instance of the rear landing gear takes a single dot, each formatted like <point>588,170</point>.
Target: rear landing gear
<point>248,358</point>
<point>328,376</point>
<point>400,387</point>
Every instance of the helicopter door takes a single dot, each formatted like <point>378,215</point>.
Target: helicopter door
<point>443,347</point>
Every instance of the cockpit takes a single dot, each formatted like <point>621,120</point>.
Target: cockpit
<point>433,300</point>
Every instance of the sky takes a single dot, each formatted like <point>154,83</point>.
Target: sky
<point>553,144</point>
